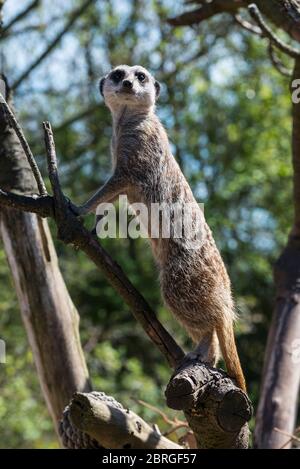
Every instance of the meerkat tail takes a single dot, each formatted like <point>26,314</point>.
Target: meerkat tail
<point>228,348</point>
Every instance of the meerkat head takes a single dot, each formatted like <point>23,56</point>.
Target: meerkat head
<point>129,86</point>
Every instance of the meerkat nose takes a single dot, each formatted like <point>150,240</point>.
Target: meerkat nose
<point>127,84</point>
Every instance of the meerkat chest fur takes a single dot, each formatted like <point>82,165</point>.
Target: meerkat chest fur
<point>141,151</point>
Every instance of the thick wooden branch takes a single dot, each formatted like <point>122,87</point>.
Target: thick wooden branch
<point>205,11</point>
<point>284,14</point>
<point>43,205</point>
<point>95,420</point>
<point>217,411</point>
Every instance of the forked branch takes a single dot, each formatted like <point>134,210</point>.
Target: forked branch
<point>268,33</point>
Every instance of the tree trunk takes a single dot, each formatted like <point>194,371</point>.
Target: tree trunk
<point>49,316</point>
<point>279,396</point>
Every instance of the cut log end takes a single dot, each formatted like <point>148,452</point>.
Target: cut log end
<point>216,409</point>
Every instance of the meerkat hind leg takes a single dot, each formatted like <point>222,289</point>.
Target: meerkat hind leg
<point>208,348</point>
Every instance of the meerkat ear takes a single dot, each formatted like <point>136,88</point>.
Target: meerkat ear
<point>157,89</point>
<point>101,84</point>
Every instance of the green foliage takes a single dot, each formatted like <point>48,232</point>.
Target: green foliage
<point>227,113</point>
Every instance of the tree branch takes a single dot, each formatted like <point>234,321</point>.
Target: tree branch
<point>73,17</point>
<point>267,32</point>
<point>17,128</point>
<point>207,10</point>
<point>217,411</point>
<point>43,205</point>
<point>280,67</point>
<point>248,26</point>
<point>283,13</point>
<point>106,422</point>
<point>34,4</point>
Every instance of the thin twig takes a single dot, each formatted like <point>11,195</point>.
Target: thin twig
<point>30,158</point>
<point>21,15</point>
<point>73,17</point>
<point>176,424</point>
<point>267,32</point>
<point>247,25</point>
<point>175,428</point>
<point>165,418</point>
<point>27,29</point>
<point>280,67</point>
<point>291,437</point>
<point>59,198</point>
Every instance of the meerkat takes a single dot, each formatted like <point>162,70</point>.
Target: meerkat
<point>194,282</point>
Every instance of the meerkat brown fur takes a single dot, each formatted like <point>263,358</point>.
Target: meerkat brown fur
<point>194,281</point>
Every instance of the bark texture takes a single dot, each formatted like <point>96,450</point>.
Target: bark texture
<point>285,14</point>
<point>49,316</point>
<point>216,410</point>
<point>106,421</point>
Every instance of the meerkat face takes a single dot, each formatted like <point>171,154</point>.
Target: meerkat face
<point>129,86</point>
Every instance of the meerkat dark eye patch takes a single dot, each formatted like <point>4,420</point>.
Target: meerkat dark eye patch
<point>141,76</point>
<point>117,75</point>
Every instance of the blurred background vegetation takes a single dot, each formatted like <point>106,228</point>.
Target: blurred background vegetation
<point>227,113</point>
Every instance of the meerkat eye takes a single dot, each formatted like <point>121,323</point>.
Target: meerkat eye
<point>117,75</point>
<point>141,76</point>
